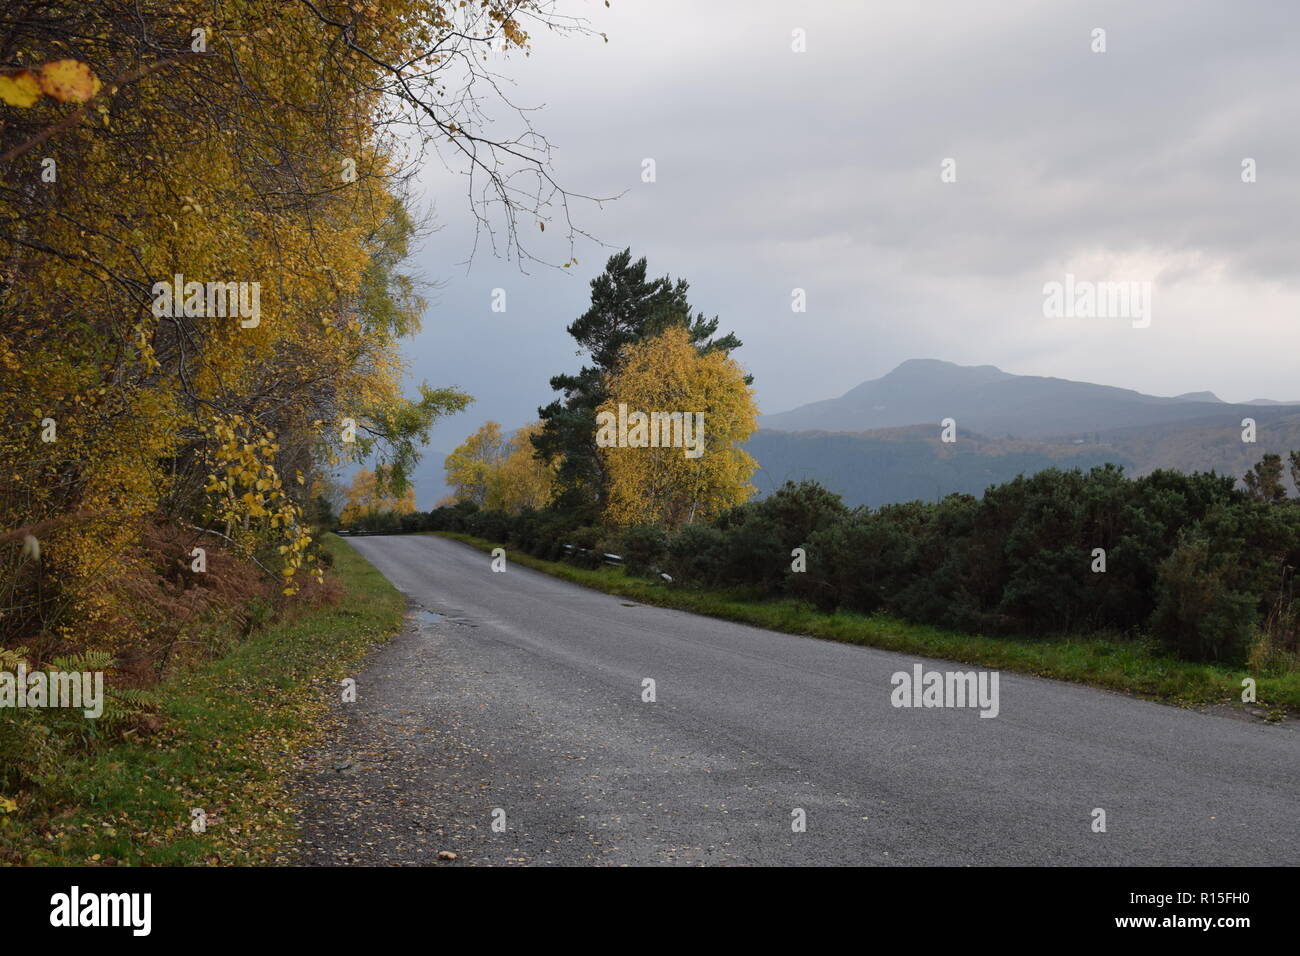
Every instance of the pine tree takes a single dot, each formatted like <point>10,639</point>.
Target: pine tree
<point>1264,481</point>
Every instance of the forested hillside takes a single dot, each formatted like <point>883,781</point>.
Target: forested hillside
<point>904,464</point>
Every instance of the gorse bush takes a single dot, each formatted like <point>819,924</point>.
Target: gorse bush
<point>859,561</point>
<point>693,554</point>
<point>760,535</point>
<point>643,548</point>
<point>1199,614</point>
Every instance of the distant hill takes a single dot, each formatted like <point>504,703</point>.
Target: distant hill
<point>992,402</point>
<point>879,442</point>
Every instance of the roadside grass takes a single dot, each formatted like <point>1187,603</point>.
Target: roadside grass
<point>1129,666</point>
<point>232,729</point>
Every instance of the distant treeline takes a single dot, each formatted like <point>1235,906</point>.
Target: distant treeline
<point>1202,567</point>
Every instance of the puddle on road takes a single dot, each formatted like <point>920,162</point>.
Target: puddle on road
<point>423,615</point>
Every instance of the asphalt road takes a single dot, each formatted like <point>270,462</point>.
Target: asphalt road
<point>519,695</point>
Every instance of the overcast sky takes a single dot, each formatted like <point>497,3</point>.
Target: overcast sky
<point>821,170</point>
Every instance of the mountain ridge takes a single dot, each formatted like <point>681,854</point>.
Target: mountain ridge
<point>880,442</point>
<point>988,400</point>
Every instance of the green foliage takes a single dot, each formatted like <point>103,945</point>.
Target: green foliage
<point>320,513</point>
<point>761,535</point>
<point>693,554</point>
<point>1276,645</point>
<point>1199,614</point>
<point>643,548</point>
<point>1264,481</point>
<point>36,743</point>
<point>402,426</point>
<point>859,562</point>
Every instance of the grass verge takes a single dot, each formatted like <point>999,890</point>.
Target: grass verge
<point>233,728</point>
<point>1133,667</point>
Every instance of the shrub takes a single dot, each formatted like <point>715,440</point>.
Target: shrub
<point>587,549</point>
<point>857,563</point>
<point>493,525</point>
<point>1199,615</point>
<point>751,550</point>
<point>799,511</point>
<point>760,535</point>
<point>692,555</point>
<point>1276,646</point>
<point>643,548</point>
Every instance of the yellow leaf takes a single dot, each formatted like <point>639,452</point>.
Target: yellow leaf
<point>19,89</point>
<point>69,81</point>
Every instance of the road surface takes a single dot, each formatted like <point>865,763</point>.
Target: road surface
<point>517,699</point>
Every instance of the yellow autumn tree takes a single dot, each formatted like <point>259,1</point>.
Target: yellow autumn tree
<point>670,433</point>
<point>522,480</point>
<point>367,500</point>
<point>472,468</point>
<point>202,226</point>
<point>494,472</point>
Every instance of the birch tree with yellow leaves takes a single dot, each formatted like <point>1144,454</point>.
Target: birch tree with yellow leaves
<point>523,480</point>
<point>672,428</point>
<point>494,472</point>
<point>367,500</point>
